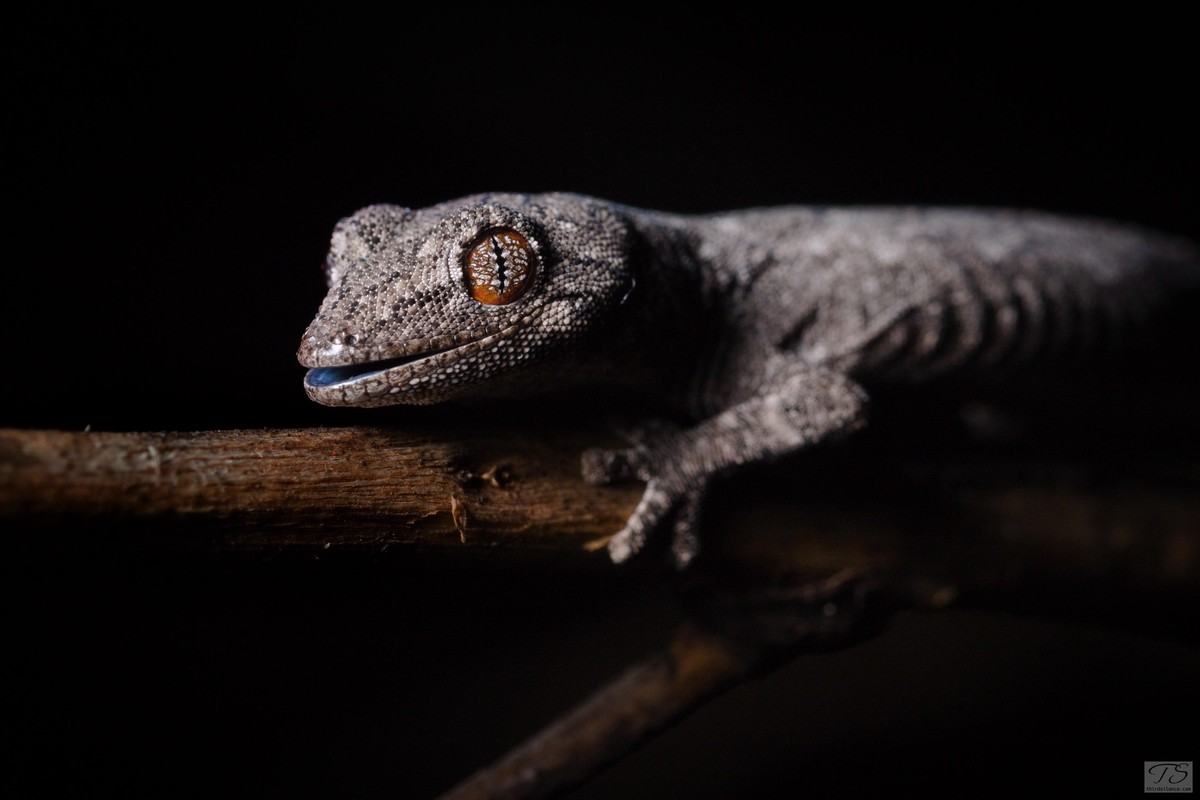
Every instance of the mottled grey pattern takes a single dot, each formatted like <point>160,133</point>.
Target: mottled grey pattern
<point>763,325</point>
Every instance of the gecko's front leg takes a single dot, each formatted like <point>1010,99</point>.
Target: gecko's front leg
<point>799,405</point>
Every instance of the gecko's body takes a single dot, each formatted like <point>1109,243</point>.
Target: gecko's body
<point>767,328</point>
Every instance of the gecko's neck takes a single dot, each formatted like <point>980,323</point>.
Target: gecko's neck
<point>676,298</point>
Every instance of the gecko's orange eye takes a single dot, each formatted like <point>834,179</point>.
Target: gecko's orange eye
<point>500,267</point>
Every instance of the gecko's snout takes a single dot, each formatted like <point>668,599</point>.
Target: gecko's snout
<point>314,352</point>
<point>336,350</point>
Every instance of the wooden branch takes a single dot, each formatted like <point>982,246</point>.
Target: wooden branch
<point>967,522</point>
<point>315,489</point>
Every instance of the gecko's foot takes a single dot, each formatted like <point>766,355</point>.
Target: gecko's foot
<point>672,498</point>
<point>660,506</point>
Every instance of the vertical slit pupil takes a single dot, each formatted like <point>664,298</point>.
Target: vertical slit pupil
<point>501,272</point>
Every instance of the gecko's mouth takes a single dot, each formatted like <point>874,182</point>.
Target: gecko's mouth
<point>433,373</point>
<point>322,377</point>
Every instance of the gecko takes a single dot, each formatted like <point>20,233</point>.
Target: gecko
<point>765,329</point>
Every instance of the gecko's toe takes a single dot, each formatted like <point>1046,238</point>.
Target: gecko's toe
<point>620,547</point>
<point>635,463</point>
<point>602,466</point>
<point>684,550</point>
<point>661,505</point>
<point>685,544</point>
<point>628,541</point>
<point>645,520</point>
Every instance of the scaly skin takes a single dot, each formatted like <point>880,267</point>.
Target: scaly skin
<point>766,327</point>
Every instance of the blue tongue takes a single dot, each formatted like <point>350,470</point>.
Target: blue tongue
<point>326,376</point>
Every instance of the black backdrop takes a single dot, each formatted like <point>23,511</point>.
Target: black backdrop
<point>169,201</point>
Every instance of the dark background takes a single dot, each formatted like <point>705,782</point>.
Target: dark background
<point>170,198</point>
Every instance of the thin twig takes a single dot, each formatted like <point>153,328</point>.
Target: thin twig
<point>701,661</point>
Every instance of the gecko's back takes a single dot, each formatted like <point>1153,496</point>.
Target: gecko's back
<point>890,294</point>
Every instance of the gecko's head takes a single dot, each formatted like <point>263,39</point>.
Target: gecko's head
<point>424,305</point>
